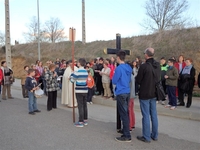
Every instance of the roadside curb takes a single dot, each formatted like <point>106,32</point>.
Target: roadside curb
<point>177,113</point>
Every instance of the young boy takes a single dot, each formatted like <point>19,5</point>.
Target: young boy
<point>171,83</point>
<point>90,84</point>
<point>122,79</point>
<point>80,76</point>
<point>31,86</point>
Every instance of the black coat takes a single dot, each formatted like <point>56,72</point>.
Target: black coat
<point>186,82</point>
<point>146,80</point>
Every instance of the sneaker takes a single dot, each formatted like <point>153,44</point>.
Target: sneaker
<point>163,102</point>
<point>172,108</point>
<point>155,139</point>
<point>120,131</point>
<point>85,122</point>
<point>141,138</point>
<point>31,113</point>
<point>79,124</point>
<point>38,111</point>
<point>123,139</point>
<point>88,103</point>
<point>167,106</point>
<point>156,102</point>
<point>91,103</point>
<point>94,96</point>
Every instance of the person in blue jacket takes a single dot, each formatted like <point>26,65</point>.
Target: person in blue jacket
<point>122,79</point>
<point>31,86</point>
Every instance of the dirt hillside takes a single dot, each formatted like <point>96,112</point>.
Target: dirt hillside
<point>167,44</point>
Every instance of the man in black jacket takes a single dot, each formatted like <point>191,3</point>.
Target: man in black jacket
<point>147,96</point>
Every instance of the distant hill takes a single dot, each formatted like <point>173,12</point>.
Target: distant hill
<point>167,44</point>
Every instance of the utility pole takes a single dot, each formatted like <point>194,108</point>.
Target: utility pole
<point>7,28</point>
<point>38,29</point>
<point>83,22</point>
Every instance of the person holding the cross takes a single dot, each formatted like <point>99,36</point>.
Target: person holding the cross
<point>122,79</point>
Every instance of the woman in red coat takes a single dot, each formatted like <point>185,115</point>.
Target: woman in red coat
<point>180,65</point>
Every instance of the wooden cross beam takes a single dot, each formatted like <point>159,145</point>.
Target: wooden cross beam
<point>114,51</point>
<point>118,47</point>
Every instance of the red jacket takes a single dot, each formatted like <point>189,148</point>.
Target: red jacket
<point>1,76</point>
<point>177,66</point>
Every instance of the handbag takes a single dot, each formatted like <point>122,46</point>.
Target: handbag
<point>160,94</point>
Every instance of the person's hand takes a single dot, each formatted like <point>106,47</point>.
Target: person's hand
<point>166,77</point>
<point>55,74</point>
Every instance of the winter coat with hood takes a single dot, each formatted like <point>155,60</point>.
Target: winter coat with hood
<point>145,78</point>
<point>122,79</point>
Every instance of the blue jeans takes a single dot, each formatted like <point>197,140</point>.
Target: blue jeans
<point>122,105</point>
<point>32,102</point>
<point>148,110</point>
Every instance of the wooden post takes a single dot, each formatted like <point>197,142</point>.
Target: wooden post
<point>72,33</point>
<point>118,46</point>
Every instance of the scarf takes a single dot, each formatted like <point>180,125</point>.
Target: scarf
<point>187,69</point>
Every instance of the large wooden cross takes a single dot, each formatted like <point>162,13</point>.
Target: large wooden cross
<point>118,47</point>
<point>114,51</point>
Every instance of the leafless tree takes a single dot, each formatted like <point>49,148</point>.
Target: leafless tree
<point>32,34</point>
<point>2,39</point>
<point>54,31</point>
<point>165,14</point>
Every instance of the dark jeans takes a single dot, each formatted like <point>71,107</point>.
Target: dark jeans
<point>99,86</point>
<point>136,88</point>
<point>172,95</point>
<point>122,105</point>
<point>164,87</point>
<point>52,100</point>
<point>111,88</point>
<point>24,91</point>
<point>0,88</point>
<point>82,106</point>
<point>90,94</point>
<point>181,96</point>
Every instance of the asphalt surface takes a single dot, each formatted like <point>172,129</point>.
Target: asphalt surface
<point>54,130</point>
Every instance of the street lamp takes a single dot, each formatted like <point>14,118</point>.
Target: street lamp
<point>38,30</point>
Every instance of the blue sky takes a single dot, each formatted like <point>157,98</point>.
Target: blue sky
<point>104,18</point>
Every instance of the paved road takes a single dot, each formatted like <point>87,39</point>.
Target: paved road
<point>54,130</point>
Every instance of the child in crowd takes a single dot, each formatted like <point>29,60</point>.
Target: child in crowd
<point>171,83</point>
<point>31,86</point>
<point>80,76</point>
<point>90,84</point>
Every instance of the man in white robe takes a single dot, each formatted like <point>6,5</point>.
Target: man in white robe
<point>67,91</point>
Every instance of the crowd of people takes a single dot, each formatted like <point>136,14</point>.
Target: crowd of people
<point>112,78</point>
